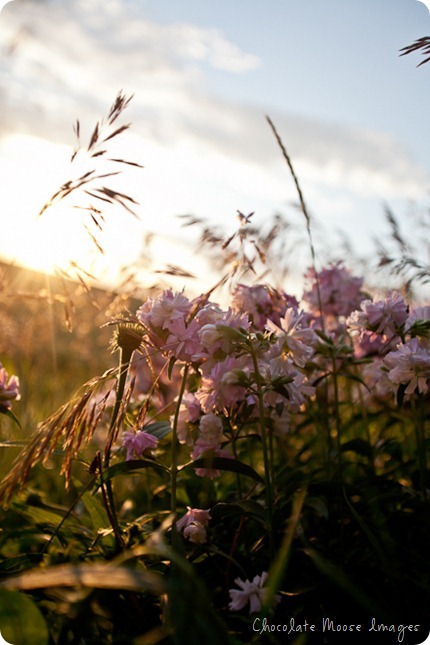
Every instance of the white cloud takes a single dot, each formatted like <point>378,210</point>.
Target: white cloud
<point>75,70</point>
<point>210,45</point>
<point>202,154</point>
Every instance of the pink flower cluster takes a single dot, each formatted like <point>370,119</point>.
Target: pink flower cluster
<point>377,325</point>
<point>410,365</point>
<point>398,340</point>
<point>265,346</point>
<point>9,389</point>
<point>169,325</point>
<point>216,343</point>
<point>334,290</point>
<point>262,303</point>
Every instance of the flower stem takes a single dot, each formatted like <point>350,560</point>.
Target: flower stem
<point>337,417</point>
<point>124,363</point>
<point>264,442</point>
<point>174,453</point>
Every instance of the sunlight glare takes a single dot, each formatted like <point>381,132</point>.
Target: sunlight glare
<point>34,171</point>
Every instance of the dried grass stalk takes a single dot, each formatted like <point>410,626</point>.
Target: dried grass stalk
<point>422,45</point>
<point>73,426</point>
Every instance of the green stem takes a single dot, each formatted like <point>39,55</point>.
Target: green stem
<point>236,456</point>
<point>271,462</point>
<point>337,417</point>
<point>264,442</point>
<point>366,426</point>
<point>174,454</point>
<point>68,513</point>
<point>124,363</point>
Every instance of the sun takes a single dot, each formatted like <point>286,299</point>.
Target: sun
<point>55,240</point>
<point>32,171</point>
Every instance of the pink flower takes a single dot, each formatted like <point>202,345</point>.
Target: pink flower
<point>281,421</point>
<point>211,430</point>
<point>384,316</point>
<point>339,291</point>
<point>217,340</point>
<point>168,308</point>
<point>199,515</point>
<point>136,443</point>
<point>211,337</point>
<point>174,324</point>
<point>183,341</point>
<point>255,300</point>
<point>375,376</point>
<point>295,337</point>
<point>9,389</point>
<point>410,365</point>
<point>193,525</point>
<point>210,313</point>
<point>158,315</point>
<point>261,303</point>
<point>195,533</point>
<point>367,343</point>
<point>189,412</point>
<point>253,593</point>
<point>418,322</point>
<point>224,386</point>
<point>289,386</point>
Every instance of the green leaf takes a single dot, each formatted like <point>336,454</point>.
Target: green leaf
<point>277,570</point>
<point>21,622</point>
<point>354,377</point>
<point>223,463</point>
<point>97,513</point>
<point>190,612</point>
<point>324,337</point>
<point>360,446</point>
<point>19,562</point>
<point>11,415</point>
<point>129,467</point>
<point>92,576</point>
<point>318,505</point>
<point>171,365</point>
<point>400,395</point>
<point>380,552</point>
<point>246,507</point>
<point>39,514</point>
<point>159,429</point>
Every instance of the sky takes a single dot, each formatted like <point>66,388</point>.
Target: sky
<point>351,112</point>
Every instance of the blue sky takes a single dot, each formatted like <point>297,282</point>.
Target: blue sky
<point>352,113</point>
<point>337,60</point>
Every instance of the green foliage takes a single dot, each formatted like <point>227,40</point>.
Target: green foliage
<point>21,622</point>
